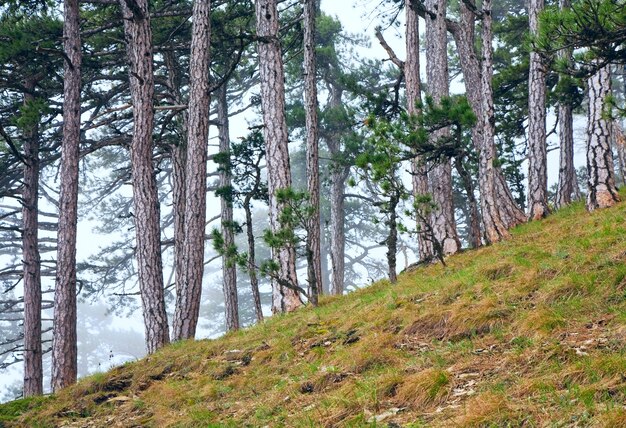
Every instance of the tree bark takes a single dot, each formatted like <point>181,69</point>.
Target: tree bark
<point>498,208</point>
<point>537,149</point>
<point>473,215</point>
<point>190,284</point>
<point>276,144</point>
<point>338,178</point>
<point>567,184</point>
<point>601,189</point>
<point>495,228</point>
<point>620,148</point>
<point>313,244</point>
<point>33,371</point>
<point>338,175</point>
<point>179,160</point>
<point>64,340</point>
<point>252,266</point>
<point>392,239</point>
<point>229,270</point>
<point>443,222</point>
<point>145,197</point>
<point>413,95</point>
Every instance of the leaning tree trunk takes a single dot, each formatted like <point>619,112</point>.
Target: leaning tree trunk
<point>190,283</point>
<point>313,242</point>
<point>537,149</point>
<point>145,197</point>
<point>64,341</point>
<point>33,374</point>
<point>284,299</point>
<point>567,184</point>
<point>229,269</point>
<point>601,189</point>
<point>443,222</point>
<point>413,95</point>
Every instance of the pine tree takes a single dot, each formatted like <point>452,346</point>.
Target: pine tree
<point>537,145</point>
<point>145,198</point>
<point>276,139</point>
<point>443,222</point>
<point>601,191</point>
<point>64,341</point>
<point>190,278</point>
<point>312,149</point>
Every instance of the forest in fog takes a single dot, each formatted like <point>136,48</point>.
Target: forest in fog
<point>197,166</point>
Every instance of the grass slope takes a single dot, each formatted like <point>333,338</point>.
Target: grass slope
<point>528,332</point>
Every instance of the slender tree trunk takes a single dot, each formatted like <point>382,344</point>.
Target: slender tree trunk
<point>33,372</point>
<point>537,150</point>
<point>567,173</point>
<point>276,144</point>
<point>620,148</point>
<point>179,160</point>
<point>229,270</point>
<point>473,215</point>
<point>338,178</point>
<point>567,184</point>
<point>392,240</point>
<point>190,284</point>
<point>601,191</point>
<point>413,95</point>
<point>145,197</point>
<point>444,225</point>
<point>495,228</point>
<point>254,280</point>
<point>498,208</point>
<point>325,250</point>
<point>64,341</point>
<point>312,152</point>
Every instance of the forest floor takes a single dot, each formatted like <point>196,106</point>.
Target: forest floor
<point>528,332</point>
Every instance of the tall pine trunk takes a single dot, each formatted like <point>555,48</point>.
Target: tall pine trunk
<point>338,178</point>
<point>33,371</point>
<point>601,189</point>
<point>145,197</point>
<point>620,148</point>
<point>413,95</point>
<point>443,222</point>
<point>229,269</point>
<point>495,229</point>
<point>567,185</point>
<point>178,153</point>
<point>190,279</point>
<point>313,243</point>
<point>338,175</point>
<point>498,208</point>
<point>252,266</point>
<point>537,148</point>
<point>284,299</point>
<point>64,340</point>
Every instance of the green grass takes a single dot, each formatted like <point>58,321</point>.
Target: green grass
<point>527,332</point>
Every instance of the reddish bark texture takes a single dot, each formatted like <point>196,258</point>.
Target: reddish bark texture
<point>64,340</point>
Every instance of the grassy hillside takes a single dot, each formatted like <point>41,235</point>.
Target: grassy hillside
<point>528,332</point>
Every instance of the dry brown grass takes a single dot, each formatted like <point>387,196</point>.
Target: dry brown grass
<point>528,332</point>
